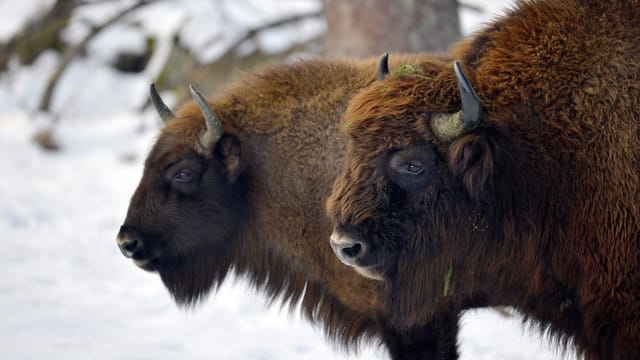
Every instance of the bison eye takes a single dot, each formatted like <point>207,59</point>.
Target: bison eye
<point>183,176</point>
<point>413,167</point>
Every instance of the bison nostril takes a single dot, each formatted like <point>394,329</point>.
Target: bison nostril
<point>128,246</point>
<point>352,251</point>
<point>131,247</point>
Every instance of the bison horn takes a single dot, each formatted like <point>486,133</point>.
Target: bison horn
<point>162,109</point>
<point>470,102</point>
<point>383,66</point>
<point>214,126</point>
<point>449,126</point>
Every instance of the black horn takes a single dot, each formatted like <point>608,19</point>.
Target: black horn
<point>448,126</point>
<point>383,66</point>
<point>214,126</point>
<point>163,110</point>
<point>470,103</point>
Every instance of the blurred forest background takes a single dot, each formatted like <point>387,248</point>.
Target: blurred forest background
<point>208,42</point>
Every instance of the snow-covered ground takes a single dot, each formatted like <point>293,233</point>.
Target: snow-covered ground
<point>66,292</point>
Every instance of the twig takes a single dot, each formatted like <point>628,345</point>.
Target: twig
<point>71,52</point>
<point>253,32</point>
<point>34,31</point>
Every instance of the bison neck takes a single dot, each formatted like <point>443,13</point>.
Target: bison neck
<point>284,249</point>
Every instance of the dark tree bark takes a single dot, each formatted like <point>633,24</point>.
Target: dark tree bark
<point>371,27</point>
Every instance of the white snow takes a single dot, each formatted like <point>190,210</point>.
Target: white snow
<point>66,292</point>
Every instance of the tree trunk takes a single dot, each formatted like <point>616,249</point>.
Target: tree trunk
<point>371,27</point>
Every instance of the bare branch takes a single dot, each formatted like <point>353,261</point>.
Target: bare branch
<point>37,34</point>
<point>272,25</point>
<point>71,52</point>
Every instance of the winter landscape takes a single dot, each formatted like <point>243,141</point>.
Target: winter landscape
<point>66,292</point>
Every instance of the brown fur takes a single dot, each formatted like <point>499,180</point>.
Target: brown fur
<point>537,208</point>
<point>258,209</point>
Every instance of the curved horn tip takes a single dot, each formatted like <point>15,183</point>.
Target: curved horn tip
<point>383,66</point>
<point>195,93</point>
<point>163,110</point>
<point>471,111</point>
<point>214,126</point>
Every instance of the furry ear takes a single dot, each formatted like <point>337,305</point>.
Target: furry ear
<point>474,159</point>
<point>229,151</point>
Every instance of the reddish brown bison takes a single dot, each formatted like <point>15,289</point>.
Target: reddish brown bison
<point>243,188</point>
<point>514,182</point>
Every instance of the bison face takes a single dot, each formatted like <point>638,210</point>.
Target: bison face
<point>406,206</point>
<point>401,179</point>
<point>184,212</point>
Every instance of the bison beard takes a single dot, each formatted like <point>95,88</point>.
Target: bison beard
<point>191,277</point>
<point>537,206</point>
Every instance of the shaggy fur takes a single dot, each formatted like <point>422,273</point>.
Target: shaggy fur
<point>255,204</point>
<point>537,208</point>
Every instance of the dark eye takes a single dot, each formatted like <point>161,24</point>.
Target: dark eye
<point>413,167</point>
<point>183,176</point>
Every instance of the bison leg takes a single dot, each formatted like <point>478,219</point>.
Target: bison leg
<point>437,340</point>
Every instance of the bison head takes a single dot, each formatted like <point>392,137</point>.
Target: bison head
<point>182,215</point>
<point>409,203</point>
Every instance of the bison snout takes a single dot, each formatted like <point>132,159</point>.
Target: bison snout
<point>129,245</point>
<point>355,252</point>
<point>132,246</point>
<point>350,251</point>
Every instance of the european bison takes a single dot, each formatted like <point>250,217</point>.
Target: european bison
<point>244,191</point>
<point>511,177</point>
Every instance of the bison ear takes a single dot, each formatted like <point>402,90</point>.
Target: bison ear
<point>475,159</point>
<point>229,151</point>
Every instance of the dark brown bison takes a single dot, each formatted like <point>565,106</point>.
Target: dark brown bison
<point>243,188</point>
<point>514,182</point>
